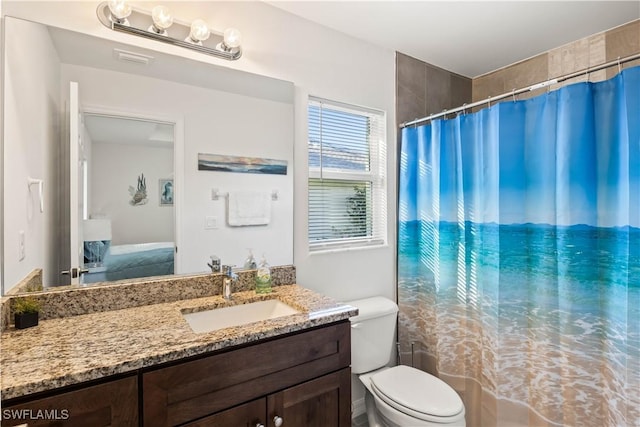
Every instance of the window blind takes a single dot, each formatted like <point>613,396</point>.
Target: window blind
<point>347,186</point>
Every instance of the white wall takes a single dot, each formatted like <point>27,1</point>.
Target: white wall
<point>29,99</point>
<point>319,61</point>
<point>115,167</point>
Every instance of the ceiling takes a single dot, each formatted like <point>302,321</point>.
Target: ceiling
<point>120,130</point>
<point>470,38</point>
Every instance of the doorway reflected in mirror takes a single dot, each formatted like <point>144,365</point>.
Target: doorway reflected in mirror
<point>141,242</point>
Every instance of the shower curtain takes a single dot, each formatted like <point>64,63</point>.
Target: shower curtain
<point>519,256</point>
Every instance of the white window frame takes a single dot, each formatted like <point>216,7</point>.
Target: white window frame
<point>376,176</point>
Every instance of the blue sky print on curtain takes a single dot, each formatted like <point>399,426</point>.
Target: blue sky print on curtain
<point>519,248</point>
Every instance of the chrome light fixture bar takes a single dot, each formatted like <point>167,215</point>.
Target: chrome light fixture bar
<point>159,25</point>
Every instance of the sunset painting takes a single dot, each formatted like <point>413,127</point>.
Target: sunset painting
<point>220,163</point>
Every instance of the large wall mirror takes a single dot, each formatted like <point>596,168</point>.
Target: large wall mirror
<point>121,162</point>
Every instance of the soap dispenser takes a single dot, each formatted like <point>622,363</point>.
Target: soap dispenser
<point>263,277</point>
<point>250,262</point>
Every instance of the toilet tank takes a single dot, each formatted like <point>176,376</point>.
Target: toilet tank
<point>372,333</point>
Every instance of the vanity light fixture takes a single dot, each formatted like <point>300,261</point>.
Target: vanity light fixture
<point>231,40</point>
<point>199,32</point>
<point>160,25</point>
<point>119,11</point>
<point>162,20</point>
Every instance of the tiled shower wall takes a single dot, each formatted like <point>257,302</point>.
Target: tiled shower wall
<point>423,89</point>
<point>573,57</point>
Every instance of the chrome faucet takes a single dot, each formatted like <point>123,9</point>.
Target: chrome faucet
<point>229,279</point>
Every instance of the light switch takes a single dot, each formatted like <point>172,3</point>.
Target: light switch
<point>210,222</point>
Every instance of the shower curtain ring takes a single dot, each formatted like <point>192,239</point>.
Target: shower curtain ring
<point>464,109</point>
<point>619,65</point>
<point>513,94</point>
<point>489,101</point>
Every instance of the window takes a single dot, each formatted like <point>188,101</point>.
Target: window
<point>347,186</point>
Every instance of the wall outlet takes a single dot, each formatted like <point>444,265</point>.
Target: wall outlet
<point>21,244</point>
<point>210,222</point>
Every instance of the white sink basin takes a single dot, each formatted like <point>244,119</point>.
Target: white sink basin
<point>236,315</point>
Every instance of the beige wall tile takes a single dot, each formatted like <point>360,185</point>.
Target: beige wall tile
<point>597,56</point>
<point>572,57</point>
<point>575,56</point>
<point>623,41</point>
<point>488,85</point>
<point>554,60</point>
<point>597,49</point>
<point>526,73</point>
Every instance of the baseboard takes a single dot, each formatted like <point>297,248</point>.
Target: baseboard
<point>358,408</point>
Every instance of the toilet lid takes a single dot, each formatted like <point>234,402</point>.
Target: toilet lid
<point>404,387</point>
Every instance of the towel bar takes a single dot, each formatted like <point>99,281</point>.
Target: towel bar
<point>215,194</point>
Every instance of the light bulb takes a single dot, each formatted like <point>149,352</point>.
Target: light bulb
<point>232,38</point>
<point>162,19</point>
<point>120,10</point>
<point>199,32</point>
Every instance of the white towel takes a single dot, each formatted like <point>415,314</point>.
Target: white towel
<point>248,208</point>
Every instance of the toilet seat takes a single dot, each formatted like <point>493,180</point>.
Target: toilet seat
<point>417,394</point>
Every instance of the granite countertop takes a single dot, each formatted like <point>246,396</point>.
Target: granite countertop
<point>72,350</point>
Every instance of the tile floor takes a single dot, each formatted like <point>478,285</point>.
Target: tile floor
<point>360,421</point>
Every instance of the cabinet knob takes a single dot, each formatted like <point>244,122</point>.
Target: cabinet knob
<point>278,421</point>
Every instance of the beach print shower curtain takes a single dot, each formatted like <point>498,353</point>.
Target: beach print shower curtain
<point>519,256</point>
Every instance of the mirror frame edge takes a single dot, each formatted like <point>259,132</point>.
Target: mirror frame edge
<point>2,84</point>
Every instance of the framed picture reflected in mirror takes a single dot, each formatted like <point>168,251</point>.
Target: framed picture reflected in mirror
<point>166,192</point>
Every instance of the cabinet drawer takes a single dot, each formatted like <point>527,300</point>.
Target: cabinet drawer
<point>185,392</point>
<point>110,404</point>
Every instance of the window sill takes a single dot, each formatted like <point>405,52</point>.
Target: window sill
<point>329,249</point>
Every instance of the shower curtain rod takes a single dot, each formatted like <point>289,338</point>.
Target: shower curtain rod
<point>515,92</point>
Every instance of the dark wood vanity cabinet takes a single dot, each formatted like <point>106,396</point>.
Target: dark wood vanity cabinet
<point>298,380</point>
<point>301,380</point>
<point>112,403</point>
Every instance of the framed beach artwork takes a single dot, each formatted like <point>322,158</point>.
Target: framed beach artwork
<point>220,163</point>
<point>166,192</point>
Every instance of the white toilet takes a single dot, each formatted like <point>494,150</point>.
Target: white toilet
<point>400,396</point>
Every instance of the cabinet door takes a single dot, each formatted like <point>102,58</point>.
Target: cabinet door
<point>189,391</point>
<point>250,414</point>
<point>325,401</point>
<point>110,404</point>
